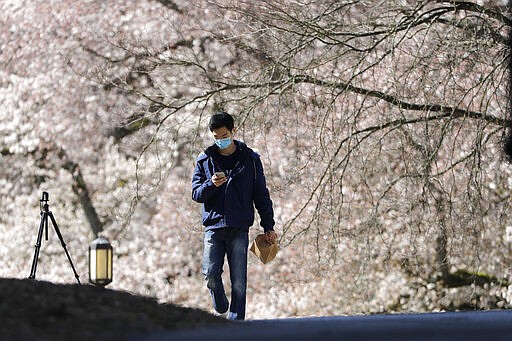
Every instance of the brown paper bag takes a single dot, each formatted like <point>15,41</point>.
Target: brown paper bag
<point>264,250</point>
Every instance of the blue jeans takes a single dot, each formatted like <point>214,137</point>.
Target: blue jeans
<point>232,242</point>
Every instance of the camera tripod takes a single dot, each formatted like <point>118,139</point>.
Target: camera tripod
<point>45,213</point>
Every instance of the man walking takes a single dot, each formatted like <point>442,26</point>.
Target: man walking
<point>229,182</point>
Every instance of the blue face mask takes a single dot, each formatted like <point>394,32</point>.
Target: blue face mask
<point>223,143</point>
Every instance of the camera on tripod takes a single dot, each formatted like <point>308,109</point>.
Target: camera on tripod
<point>45,213</point>
<point>44,197</point>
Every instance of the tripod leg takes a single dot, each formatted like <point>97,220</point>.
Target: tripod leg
<point>44,222</point>
<point>56,227</point>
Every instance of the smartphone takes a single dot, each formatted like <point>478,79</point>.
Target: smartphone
<point>220,174</point>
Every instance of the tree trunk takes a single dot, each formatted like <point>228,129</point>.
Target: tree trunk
<point>442,243</point>
<point>442,254</point>
<point>80,189</point>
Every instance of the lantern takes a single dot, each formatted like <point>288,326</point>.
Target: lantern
<point>100,262</point>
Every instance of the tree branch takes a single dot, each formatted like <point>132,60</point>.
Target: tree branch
<point>121,131</point>
<point>447,110</point>
<point>473,7</point>
<point>80,189</point>
<point>5,151</point>
<point>171,4</point>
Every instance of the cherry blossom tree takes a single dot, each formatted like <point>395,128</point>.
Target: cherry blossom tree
<point>380,125</point>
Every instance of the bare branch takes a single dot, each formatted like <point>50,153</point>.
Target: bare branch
<point>448,111</point>
<point>474,7</point>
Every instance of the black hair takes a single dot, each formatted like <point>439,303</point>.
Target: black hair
<point>221,119</point>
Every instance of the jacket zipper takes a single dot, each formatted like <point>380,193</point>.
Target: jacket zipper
<point>226,191</point>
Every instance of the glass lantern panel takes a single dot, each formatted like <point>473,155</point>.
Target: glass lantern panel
<point>102,261</point>
<point>109,262</point>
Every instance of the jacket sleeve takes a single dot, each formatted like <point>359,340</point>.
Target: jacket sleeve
<point>202,187</point>
<point>261,197</point>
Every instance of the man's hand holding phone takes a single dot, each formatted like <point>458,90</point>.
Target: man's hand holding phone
<point>219,178</point>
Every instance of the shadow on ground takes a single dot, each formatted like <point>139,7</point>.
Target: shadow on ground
<point>31,309</point>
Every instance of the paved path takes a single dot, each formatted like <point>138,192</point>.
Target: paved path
<point>467,326</point>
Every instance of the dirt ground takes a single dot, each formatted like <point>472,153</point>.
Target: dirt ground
<point>31,309</point>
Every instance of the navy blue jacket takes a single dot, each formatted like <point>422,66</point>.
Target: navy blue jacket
<point>232,204</point>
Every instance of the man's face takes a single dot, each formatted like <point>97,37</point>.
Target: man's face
<point>221,133</point>
<point>223,138</point>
